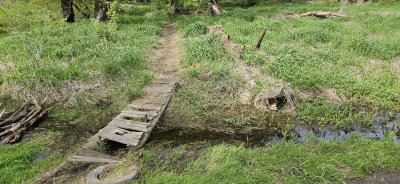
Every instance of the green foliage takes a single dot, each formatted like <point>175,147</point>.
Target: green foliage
<point>205,48</point>
<point>21,15</point>
<point>340,114</point>
<point>195,29</point>
<point>325,162</point>
<point>20,162</point>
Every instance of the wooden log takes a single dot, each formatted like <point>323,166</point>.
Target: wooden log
<point>260,39</point>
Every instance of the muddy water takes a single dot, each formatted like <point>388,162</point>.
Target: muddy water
<point>380,129</point>
<point>68,134</point>
<point>181,136</point>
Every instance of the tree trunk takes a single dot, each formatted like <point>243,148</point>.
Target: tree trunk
<point>100,10</point>
<point>215,9</point>
<point>176,6</point>
<point>68,10</point>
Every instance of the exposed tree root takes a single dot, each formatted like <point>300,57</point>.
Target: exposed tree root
<point>13,125</point>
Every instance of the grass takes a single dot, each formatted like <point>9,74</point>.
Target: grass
<point>325,162</point>
<point>42,55</point>
<point>97,69</point>
<point>23,161</point>
<point>355,55</point>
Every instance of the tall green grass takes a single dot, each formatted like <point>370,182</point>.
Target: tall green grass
<point>325,162</point>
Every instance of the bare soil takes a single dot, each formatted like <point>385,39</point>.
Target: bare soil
<point>379,178</point>
<point>165,60</point>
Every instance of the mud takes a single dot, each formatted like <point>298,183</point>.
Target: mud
<point>179,136</point>
<point>381,128</point>
<point>378,178</point>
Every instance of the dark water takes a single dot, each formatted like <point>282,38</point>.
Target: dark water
<point>380,129</point>
<point>181,136</point>
<point>68,134</point>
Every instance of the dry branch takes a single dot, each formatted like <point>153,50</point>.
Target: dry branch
<point>14,125</point>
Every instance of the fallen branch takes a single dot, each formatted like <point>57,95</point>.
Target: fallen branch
<point>19,121</point>
<point>318,14</point>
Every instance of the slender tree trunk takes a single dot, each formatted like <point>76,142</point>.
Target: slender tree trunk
<point>100,10</point>
<point>68,10</point>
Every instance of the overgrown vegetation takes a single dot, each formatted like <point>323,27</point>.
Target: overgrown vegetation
<point>93,70</point>
<point>325,162</point>
<point>89,71</point>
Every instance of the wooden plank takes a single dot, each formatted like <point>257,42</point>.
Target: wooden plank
<point>128,125</point>
<point>133,135</point>
<point>125,115</point>
<point>153,101</point>
<point>149,113</point>
<point>142,124</point>
<point>86,152</point>
<point>145,106</point>
<point>86,155</point>
<point>108,132</point>
<point>84,159</point>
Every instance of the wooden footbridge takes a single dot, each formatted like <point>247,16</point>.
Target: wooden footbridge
<point>134,124</point>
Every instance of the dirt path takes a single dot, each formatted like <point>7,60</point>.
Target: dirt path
<point>165,60</point>
<point>379,178</point>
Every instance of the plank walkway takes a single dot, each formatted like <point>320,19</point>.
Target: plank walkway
<point>135,123</point>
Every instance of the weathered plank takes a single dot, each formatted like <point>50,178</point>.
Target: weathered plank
<point>145,106</point>
<point>124,115</point>
<point>111,133</point>
<point>149,113</point>
<point>128,125</point>
<point>133,135</point>
<point>86,155</point>
<point>84,159</point>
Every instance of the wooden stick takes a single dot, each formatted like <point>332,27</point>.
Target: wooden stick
<point>258,45</point>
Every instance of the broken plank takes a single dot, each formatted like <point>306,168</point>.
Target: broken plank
<point>86,152</point>
<point>139,123</point>
<point>105,133</point>
<point>128,125</point>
